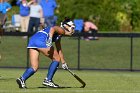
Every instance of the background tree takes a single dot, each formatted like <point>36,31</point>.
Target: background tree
<point>104,13</point>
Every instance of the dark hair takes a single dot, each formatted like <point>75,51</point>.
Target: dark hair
<point>67,19</point>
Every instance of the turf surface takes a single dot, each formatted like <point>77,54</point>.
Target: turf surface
<point>97,82</point>
<point>105,53</point>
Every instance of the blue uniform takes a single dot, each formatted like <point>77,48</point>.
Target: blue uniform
<point>24,10</point>
<point>4,6</point>
<point>41,39</point>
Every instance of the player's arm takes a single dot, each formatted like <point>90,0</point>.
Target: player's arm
<point>59,30</point>
<point>29,3</point>
<point>8,7</point>
<point>59,50</point>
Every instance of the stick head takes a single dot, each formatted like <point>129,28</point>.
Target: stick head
<point>83,85</point>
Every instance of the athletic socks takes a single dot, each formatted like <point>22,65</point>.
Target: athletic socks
<point>29,72</point>
<point>52,69</point>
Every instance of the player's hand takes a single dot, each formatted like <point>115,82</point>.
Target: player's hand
<point>64,66</point>
<point>49,42</point>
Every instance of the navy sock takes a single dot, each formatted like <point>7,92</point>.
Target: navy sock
<point>29,72</point>
<point>52,69</point>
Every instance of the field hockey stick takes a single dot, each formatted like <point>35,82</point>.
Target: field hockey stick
<point>79,79</point>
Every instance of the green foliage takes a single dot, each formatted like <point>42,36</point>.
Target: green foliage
<point>14,10</point>
<point>102,12</point>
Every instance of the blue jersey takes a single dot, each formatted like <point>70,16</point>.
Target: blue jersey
<point>40,39</point>
<point>48,7</point>
<point>4,6</point>
<point>24,10</point>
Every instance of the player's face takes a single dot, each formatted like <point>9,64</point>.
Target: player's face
<point>71,30</point>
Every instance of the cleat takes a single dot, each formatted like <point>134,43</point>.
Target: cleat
<point>50,83</point>
<point>21,83</point>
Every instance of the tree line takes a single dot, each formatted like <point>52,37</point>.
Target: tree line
<point>108,15</point>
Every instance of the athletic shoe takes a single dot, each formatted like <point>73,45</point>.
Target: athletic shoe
<point>50,84</point>
<point>21,83</point>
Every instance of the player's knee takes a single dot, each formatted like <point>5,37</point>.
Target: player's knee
<point>57,58</point>
<point>35,68</point>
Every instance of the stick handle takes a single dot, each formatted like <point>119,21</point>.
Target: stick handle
<point>70,71</point>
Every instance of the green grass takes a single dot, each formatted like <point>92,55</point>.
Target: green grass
<point>97,82</point>
<point>105,53</point>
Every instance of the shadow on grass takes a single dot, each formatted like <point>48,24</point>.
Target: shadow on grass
<point>45,87</point>
<point>61,87</point>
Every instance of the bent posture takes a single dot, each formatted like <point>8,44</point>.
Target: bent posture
<point>41,41</point>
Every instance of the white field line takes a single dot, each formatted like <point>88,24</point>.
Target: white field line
<point>72,91</point>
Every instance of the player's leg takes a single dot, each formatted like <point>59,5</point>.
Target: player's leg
<point>54,64</point>
<point>34,60</point>
<point>4,20</point>
<point>52,54</point>
<point>31,25</point>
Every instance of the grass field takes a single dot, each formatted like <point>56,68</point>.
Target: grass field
<point>113,53</point>
<point>105,53</point>
<point>97,82</point>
